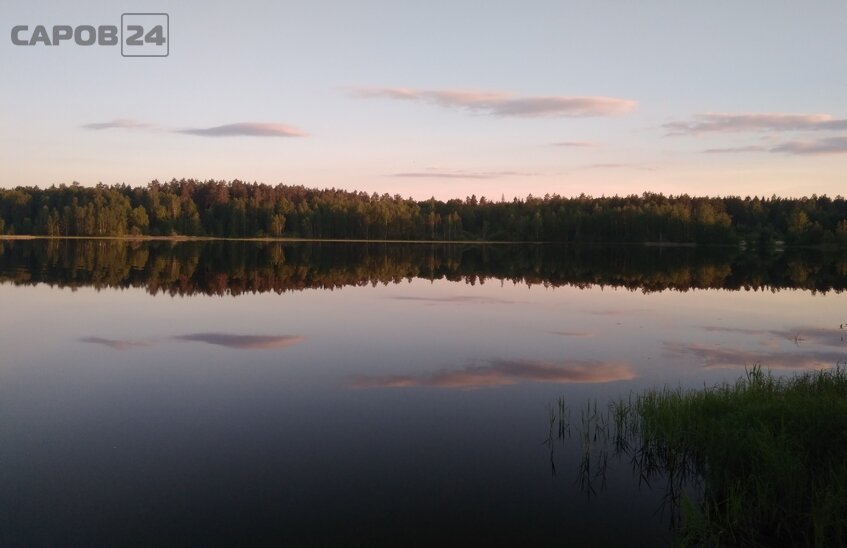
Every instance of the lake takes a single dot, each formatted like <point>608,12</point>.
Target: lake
<point>265,393</point>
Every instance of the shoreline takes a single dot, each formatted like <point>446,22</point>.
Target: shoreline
<point>148,238</point>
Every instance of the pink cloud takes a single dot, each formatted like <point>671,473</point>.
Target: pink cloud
<point>497,103</point>
<point>251,129</point>
<point>749,122</point>
<point>460,174</point>
<point>827,145</point>
<point>121,123</point>
<point>575,144</point>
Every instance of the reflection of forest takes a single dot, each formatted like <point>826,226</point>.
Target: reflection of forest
<point>216,268</point>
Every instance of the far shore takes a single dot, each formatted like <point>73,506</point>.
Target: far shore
<point>148,238</point>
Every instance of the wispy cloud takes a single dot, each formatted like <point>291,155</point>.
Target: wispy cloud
<point>826,145</point>
<point>496,103</point>
<point>460,174</point>
<point>124,123</point>
<point>575,144</point>
<point>747,122</point>
<point>115,344</point>
<point>618,165</point>
<point>506,372</point>
<point>736,150</point>
<point>715,357</point>
<point>243,342</point>
<point>608,165</point>
<point>251,129</point>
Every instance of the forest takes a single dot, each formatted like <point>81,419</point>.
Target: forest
<point>237,209</point>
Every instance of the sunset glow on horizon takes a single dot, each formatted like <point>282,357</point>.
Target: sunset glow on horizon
<point>441,100</point>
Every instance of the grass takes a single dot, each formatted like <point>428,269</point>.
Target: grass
<point>761,462</point>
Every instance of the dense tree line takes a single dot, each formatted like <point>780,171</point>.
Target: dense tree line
<point>239,209</point>
<point>234,268</point>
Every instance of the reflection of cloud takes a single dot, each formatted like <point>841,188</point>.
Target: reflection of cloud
<point>458,299</point>
<point>505,372</point>
<point>574,333</point>
<point>497,103</point>
<point>727,357</point>
<point>614,312</point>
<point>719,122</point>
<point>124,123</point>
<point>116,344</point>
<point>740,330</point>
<point>243,342</point>
<point>814,335</point>
<point>252,129</point>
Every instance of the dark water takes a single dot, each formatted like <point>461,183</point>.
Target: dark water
<point>349,394</point>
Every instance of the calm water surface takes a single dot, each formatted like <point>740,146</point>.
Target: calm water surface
<point>344,394</point>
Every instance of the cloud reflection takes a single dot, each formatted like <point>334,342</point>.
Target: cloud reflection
<point>505,372</point>
<point>814,335</point>
<point>115,344</point>
<point>717,357</point>
<point>243,342</point>
<point>799,335</point>
<point>458,299</point>
<point>574,333</point>
<point>739,330</point>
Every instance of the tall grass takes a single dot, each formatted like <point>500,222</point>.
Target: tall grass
<point>766,456</point>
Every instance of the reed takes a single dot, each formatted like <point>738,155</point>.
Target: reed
<point>758,462</point>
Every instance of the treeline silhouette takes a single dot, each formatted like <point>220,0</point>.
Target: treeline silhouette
<point>234,268</point>
<point>239,209</point>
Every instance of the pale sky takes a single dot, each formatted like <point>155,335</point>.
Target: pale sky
<point>439,98</point>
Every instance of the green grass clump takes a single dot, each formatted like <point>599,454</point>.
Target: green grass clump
<point>769,455</point>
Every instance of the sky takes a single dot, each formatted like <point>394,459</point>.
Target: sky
<point>438,98</point>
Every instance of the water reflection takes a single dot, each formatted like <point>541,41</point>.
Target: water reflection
<point>115,344</point>
<point>177,436</point>
<point>457,299</point>
<point>573,333</point>
<point>243,342</point>
<point>797,335</point>
<point>234,268</point>
<point>237,342</point>
<point>506,372</point>
<point>609,436</point>
<point>716,357</point>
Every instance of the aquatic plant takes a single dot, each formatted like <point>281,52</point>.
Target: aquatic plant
<point>758,462</point>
